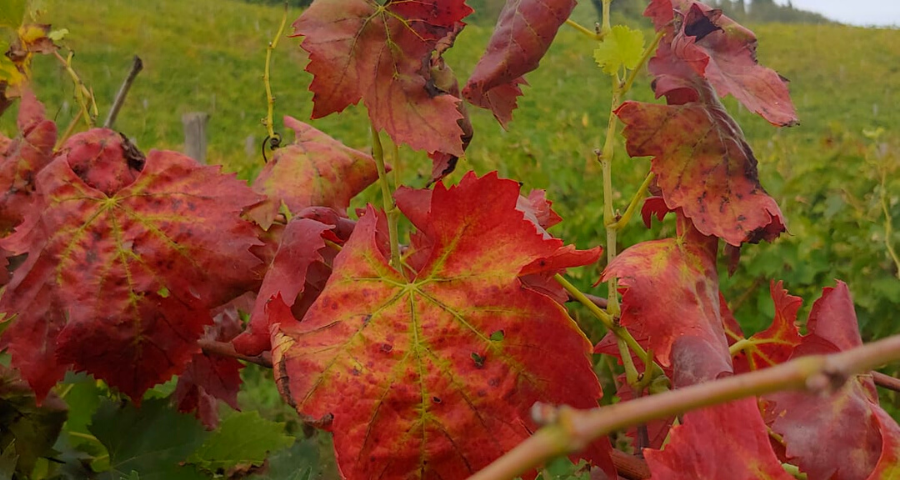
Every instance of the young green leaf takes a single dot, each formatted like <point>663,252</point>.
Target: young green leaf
<point>243,438</point>
<point>403,369</point>
<point>622,47</point>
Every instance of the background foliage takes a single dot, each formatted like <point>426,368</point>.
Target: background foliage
<point>828,174</point>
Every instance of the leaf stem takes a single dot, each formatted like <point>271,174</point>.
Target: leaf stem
<point>610,323</point>
<point>626,87</point>
<point>620,224</point>
<point>69,129</point>
<point>606,20</point>
<point>136,66</point>
<point>586,31</point>
<point>387,198</point>
<point>739,346</point>
<point>226,349</point>
<point>83,95</point>
<point>269,121</point>
<point>569,430</point>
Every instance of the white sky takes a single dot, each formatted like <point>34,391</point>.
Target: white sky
<point>855,12</point>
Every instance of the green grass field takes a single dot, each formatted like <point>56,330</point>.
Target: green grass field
<point>208,55</point>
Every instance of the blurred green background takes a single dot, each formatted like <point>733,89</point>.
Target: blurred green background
<point>836,176</point>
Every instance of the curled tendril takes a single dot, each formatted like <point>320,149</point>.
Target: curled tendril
<point>273,142</point>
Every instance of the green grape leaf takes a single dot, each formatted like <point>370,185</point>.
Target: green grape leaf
<point>242,438</point>
<point>622,47</point>
<point>152,440</point>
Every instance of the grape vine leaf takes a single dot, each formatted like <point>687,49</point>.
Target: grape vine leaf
<point>315,170</point>
<point>299,254</point>
<point>22,159</point>
<point>209,378</point>
<point>775,344</point>
<point>524,32</point>
<point>740,450</point>
<point>723,52</point>
<point>821,433</point>
<point>434,375</point>
<point>361,49</point>
<point>120,286</point>
<point>670,297</point>
<point>703,165</point>
<point>152,440</point>
<point>622,47</point>
<point>242,439</point>
<point>31,428</point>
<point>445,81</point>
<point>888,466</point>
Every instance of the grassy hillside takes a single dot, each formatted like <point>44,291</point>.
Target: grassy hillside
<point>207,55</point>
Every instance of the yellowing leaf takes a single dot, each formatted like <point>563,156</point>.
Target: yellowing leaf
<point>622,47</point>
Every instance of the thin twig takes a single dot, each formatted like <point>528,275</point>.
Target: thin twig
<point>83,95</point>
<point>630,466</point>
<point>571,430</point>
<point>136,66</point>
<point>886,381</point>
<point>225,349</point>
<point>270,99</point>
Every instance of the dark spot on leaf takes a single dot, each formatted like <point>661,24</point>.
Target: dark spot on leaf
<point>436,399</point>
<point>386,347</point>
<point>478,359</point>
<point>699,25</point>
<point>494,382</point>
<point>355,372</point>
<point>366,320</point>
<point>482,393</point>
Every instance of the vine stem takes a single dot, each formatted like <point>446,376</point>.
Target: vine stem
<point>387,198</point>
<point>136,66</point>
<point>270,99</point>
<point>569,430</point>
<point>226,349</point>
<point>605,157</point>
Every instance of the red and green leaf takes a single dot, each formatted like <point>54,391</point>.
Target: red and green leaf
<point>739,449</point>
<point>120,284</point>
<point>822,433</point>
<point>704,166</point>
<point>210,378</point>
<point>670,297</point>
<point>523,34</point>
<point>315,170</point>
<point>21,160</point>
<point>363,50</point>
<point>775,344</point>
<point>432,372</point>
<point>723,52</point>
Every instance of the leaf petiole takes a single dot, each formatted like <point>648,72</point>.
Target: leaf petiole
<point>387,198</point>
<point>632,206</point>
<point>270,99</point>
<point>584,30</point>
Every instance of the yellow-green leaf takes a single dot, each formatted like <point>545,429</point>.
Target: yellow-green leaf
<point>623,46</point>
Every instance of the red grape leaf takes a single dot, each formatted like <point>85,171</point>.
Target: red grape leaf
<point>888,467</point>
<point>524,32</point>
<point>299,253</point>
<point>739,448</point>
<point>822,433</point>
<point>360,49</point>
<point>654,206</point>
<point>22,159</point>
<point>120,286</point>
<point>209,378</point>
<point>704,166</point>
<point>316,170</point>
<point>671,298</point>
<point>434,375</point>
<point>723,52</point>
<point>775,344</point>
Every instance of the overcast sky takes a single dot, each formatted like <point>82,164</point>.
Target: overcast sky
<point>856,12</point>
